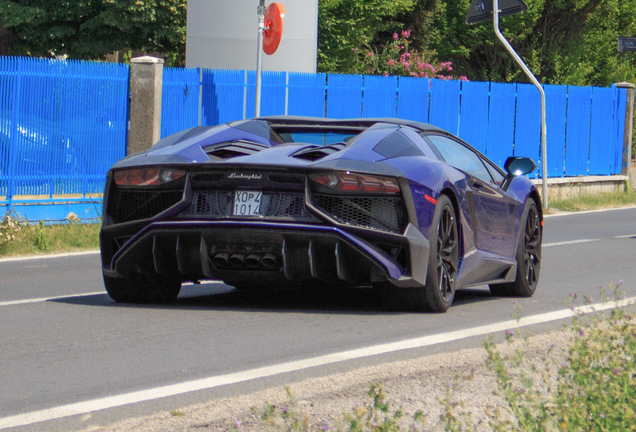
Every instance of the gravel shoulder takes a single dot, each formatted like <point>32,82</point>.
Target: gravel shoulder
<point>424,384</point>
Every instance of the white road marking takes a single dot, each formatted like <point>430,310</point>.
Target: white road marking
<point>267,371</point>
<point>603,210</point>
<point>569,242</point>
<point>49,256</point>
<point>564,243</point>
<point>45,299</point>
<point>625,236</point>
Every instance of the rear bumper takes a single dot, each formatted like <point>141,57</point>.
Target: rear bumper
<point>263,253</point>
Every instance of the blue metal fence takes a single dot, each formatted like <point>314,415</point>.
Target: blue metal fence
<point>585,125</point>
<point>223,96</point>
<point>62,125</point>
<point>179,100</point>
<point>307,94</point>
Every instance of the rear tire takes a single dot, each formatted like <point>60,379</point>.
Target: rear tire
<point>528,257</point>
<point>443,264</point>
<point>142,289</point>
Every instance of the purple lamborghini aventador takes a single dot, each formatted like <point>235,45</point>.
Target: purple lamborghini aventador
<point>400,206</point>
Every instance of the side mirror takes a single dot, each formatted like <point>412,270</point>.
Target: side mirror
<point>516,166</point>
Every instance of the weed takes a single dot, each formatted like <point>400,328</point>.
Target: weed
<point>283,418</point>
<point>598,381</point>
<point>10,228</point>
<point>453,417</point>
<point>376,415</point>
<point>41,239</point>
<point>592,389</point>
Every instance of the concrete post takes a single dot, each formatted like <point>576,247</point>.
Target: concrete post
<point>145,103</point>
<point>629,125</point>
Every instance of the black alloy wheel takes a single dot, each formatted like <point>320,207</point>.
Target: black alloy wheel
<point>532,247</point>
<point>444,258</point>
<point>528,257</point>
<point>443,264</point>
<point>447,255</point>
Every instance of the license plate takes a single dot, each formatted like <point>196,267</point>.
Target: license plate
<point>247,203</point>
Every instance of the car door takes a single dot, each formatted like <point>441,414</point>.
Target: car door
<point>492,212</point>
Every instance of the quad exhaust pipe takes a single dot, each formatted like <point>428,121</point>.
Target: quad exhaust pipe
<point>220,260</point>
<point>252,260</point>
<point>269,260</point>
<point>237,259</point>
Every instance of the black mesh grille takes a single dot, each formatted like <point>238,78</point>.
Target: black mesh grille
<point>214,204</point>
<point>379,213</point>
<point>210,203</point>
<point>129,205</point>
<point>287,205</point>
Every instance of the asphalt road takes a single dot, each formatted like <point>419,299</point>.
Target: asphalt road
<point>66,348</point>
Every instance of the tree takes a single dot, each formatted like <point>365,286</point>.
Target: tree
<point>397,59</point>
<point>90,29</point>
<point>345,26</point>
<point>593,58</point>
<point>562,41</point>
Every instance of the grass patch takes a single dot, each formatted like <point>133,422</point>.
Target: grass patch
<point>20,238</point>
<point>595,201</point>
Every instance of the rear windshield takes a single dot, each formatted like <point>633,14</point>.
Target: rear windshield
<point>316,137</point>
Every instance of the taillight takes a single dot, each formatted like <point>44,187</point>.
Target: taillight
<point>357,183</point>
<point>151,176</point>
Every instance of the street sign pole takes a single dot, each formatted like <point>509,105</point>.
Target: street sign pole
<point>270,31</point>
<point>479,12</point>
<point>259,55</point>
<point>530,75</point>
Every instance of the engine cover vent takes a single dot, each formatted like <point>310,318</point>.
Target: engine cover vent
<point>315,153</point>
<point>228,150</point>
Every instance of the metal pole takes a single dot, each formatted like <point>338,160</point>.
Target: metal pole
<point>529,74</point>
<point>259,55</point>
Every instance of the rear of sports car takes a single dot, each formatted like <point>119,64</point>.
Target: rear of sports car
<point>255,226</point>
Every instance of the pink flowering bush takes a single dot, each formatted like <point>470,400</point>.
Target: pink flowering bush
<point>395,58</point>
